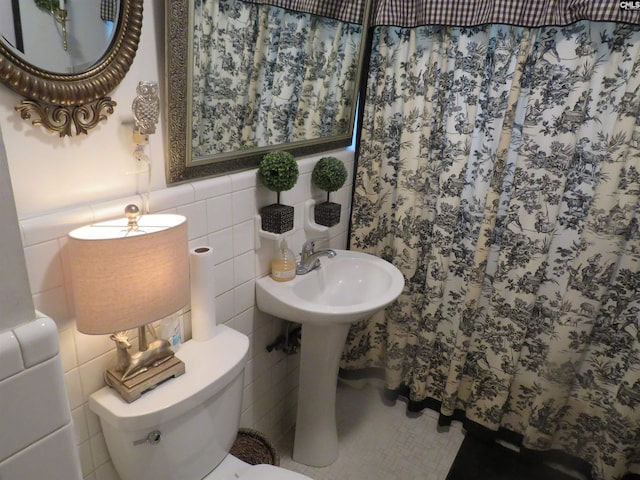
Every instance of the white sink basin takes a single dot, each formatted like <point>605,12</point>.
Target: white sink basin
<point>346,288</point>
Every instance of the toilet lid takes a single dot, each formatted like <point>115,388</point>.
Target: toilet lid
<point>270,472</point>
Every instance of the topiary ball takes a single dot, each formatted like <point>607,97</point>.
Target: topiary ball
<point>329,174</point>
<point>278,171</point>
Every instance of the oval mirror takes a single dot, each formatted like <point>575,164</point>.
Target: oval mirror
<point>248,77</point>
<point>65,56</point>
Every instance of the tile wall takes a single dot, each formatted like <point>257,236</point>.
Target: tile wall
<point>221,213</point>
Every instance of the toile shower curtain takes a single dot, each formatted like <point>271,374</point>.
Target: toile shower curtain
<point>265,75</point>
<point>499,170</point>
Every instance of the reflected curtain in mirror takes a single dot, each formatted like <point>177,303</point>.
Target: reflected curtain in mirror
<point>264,75</point>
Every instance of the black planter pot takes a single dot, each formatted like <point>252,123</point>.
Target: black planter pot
<point>277,218</point>
<point>327,214</point>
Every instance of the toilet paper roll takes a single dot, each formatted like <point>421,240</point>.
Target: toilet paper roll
<point>203,295</point>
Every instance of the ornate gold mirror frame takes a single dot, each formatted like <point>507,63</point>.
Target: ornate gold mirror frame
<point>58,101</point>
<point>181,166</point>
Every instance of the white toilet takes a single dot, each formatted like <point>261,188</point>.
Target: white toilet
<point>184,429</point>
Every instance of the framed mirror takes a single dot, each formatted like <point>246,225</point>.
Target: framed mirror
<point>247,77</point>
<point>65,56</point>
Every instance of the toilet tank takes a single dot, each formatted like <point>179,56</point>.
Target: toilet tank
<point>191,421</point>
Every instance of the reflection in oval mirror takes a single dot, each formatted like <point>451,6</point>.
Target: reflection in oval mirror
<point>60,36</point>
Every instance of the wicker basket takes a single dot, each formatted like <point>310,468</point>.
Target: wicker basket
<point>327,214</point>
<point>277,218</point>
<point>253,448</point>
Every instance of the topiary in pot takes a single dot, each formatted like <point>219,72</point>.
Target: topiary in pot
<point>279,172</point>
<point>329,174</point>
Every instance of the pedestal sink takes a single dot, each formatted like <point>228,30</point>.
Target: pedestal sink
<point>346,288</point>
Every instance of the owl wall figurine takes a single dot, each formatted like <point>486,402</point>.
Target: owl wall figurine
<point>146,107</point>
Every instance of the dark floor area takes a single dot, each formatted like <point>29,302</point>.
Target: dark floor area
<point>480,460</point>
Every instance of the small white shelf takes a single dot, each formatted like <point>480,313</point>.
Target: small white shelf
<point>261,234</point>
<point>311,228</point>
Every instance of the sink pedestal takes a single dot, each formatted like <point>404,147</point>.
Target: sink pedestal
<point>326,301</point>
<point>316,435</point>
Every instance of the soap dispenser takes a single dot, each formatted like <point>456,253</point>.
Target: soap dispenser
<point>283,265</point>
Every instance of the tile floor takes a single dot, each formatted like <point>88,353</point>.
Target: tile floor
<point>380,442</point>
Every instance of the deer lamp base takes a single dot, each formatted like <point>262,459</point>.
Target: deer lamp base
<point>133,387</point>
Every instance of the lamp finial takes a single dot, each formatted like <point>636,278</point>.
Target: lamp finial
<point>132,212</point>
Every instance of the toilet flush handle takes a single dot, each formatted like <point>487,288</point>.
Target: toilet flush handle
<point>152,439</point>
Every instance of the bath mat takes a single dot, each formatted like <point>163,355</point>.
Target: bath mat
<point>254,448</point>
<point>480,460</point>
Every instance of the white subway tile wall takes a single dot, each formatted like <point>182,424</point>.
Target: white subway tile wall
<point>221,214</point>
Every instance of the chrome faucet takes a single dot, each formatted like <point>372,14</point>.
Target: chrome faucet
<point>309,258</point>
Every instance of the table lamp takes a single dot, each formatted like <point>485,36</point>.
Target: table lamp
<point>126,274</point>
